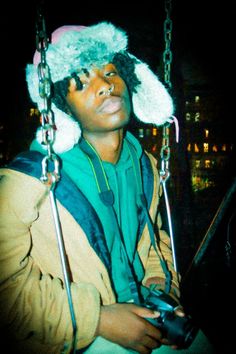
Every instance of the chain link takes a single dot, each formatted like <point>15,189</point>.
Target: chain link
<point>41,34</point>
<point>165,153</point>
<point>165,150</point>
<point>167,60</point>
<point>167,55</point>
<point>50,164</point>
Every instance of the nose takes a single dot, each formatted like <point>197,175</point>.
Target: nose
<point>105,89</point>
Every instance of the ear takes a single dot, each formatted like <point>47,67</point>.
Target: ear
<point>72,87</point>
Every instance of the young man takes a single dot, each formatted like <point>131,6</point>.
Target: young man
<point>107,199</point>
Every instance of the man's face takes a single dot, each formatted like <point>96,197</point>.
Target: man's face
<point>97,109</point>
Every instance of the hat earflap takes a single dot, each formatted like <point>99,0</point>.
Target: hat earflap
<point>151,101</point>
<point>68,131</point>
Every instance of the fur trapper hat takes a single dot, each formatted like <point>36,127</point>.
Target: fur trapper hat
<point>73,47</point>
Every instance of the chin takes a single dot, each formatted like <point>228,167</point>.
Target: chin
<point>120,119</point>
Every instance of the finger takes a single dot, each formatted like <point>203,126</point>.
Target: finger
<point>165,341</point>
<point>153,332</point>
<point>174,347</point>
<point>145,312</point>
<point>151,343</point>
<point>152,314</point>
<point>141,349</point>
<point>179,311</point>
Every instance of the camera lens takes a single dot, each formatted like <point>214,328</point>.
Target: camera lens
<point>179,330</point>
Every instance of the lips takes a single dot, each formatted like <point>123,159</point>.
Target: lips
<point>111,105</point>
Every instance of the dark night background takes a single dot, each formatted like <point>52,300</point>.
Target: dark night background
<point>203,54</point>
<point>202,39</point>
<point>202,42</point>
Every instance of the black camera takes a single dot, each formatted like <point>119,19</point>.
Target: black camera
<point>180,331</point>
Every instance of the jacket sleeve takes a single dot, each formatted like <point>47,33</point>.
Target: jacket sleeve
<point>32,304</point>
<point>154,273</point>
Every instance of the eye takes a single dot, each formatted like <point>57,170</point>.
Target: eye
<point>110,73</point>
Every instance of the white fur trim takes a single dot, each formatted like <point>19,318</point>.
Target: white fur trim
<point>94,45</point>
<point>152,102</point>
<point>68,131</point>
<point>67,134</point>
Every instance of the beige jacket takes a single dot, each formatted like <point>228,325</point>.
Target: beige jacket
<point>33,302</point>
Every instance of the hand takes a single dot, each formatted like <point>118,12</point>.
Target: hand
<point>125,325</point>
<point>179,312</point>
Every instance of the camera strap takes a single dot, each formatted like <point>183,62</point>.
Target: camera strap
<point>107,197</point>
<point>143,205</point>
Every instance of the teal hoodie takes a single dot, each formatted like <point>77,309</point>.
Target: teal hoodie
<point>121,180</point>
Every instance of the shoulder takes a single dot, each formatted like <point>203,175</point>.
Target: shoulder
<point>13,178</point>
<point>152,159</point>
<point>25,169</point>
<point>150,162</point>
<point>19,190</point>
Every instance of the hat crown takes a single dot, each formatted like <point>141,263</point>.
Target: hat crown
<point>55,37</point>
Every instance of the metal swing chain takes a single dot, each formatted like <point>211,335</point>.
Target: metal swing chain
<point>165,150</point>
<point>167,55</point>
<point>50,176</point>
